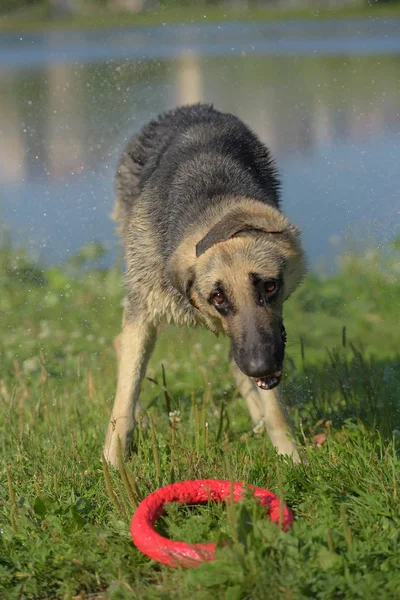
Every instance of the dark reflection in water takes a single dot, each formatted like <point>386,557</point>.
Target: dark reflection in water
<point>331,121</point>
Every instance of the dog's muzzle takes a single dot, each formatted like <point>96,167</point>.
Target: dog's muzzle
<point>271,381</point>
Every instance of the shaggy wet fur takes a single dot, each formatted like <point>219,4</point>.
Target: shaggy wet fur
<point>198,207</point>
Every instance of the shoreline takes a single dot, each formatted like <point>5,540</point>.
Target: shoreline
<point>38,19</point>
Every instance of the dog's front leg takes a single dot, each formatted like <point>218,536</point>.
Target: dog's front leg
<point>249,392</point>
<point>135,345</point>
<point>276,423</point>
<point>266,408</point>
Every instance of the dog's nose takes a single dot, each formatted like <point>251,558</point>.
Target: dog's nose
<point>258,366</point>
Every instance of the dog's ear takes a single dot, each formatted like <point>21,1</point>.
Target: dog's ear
<point>238,222</point>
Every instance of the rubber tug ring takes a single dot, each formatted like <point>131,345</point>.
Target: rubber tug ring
<point>181,554</point>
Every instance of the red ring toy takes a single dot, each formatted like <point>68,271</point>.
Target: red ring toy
<point>199,491</point>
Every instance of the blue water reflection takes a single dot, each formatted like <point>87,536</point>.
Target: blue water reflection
<point>325,96</point>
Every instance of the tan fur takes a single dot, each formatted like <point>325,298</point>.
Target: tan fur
<point>163,302</point>
<point>135,345</point>
<point>267,412</point>
<point>161,298</point>
<point>250,394</point>
<point>276,423</point>
<point>231,260</point>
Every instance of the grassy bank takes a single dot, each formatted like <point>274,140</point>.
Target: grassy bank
<point>38,17</point>
<point>63,535</point>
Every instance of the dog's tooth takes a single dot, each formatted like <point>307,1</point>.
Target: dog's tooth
<point>277,373</point>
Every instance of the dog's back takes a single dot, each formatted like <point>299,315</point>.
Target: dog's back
<point>186,160</point>
<point>205,244</point>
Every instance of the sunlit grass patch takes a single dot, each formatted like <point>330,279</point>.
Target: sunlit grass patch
<point>64,517</point>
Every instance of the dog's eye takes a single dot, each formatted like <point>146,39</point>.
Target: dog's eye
<point>218,299</point>
<point>271,287</point>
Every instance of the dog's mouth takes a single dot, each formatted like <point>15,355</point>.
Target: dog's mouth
<point>268,382</point>
<point>271,381</point>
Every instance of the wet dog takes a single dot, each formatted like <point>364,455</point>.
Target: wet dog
<point>206,244</point>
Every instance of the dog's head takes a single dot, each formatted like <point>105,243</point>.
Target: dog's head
<point>238,276</point>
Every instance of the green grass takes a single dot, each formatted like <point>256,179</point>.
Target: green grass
<point>38,17</point>
<point>63,535</point>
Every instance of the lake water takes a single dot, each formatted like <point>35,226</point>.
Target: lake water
<point>325,97</point>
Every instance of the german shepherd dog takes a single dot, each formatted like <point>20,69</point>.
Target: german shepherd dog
<point>197,201</point>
